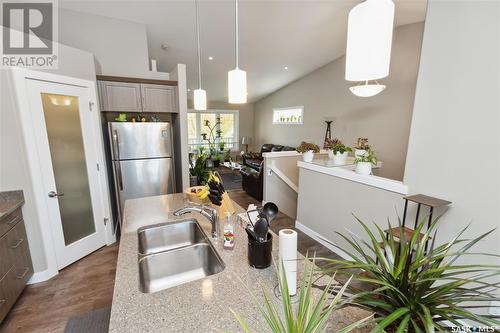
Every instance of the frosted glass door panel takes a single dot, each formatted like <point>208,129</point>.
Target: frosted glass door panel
<point>64,132</point>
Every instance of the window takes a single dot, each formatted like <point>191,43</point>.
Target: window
<point>228,126</point>
<point>289,116</point>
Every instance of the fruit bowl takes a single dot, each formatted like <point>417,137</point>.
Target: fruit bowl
<point>193,193</point>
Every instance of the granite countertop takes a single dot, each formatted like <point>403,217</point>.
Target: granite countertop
<point>198,306</point>
<point>10,201</point>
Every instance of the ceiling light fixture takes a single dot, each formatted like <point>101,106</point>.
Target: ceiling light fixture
<point>199,95</point>
<point>237,78</point>
<point>369,41</point>
<point>210,58</point>
<point>286,67</point>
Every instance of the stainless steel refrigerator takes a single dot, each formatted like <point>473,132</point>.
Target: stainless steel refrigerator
<point>142,159</point>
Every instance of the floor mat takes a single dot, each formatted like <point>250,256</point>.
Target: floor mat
<point>96,321</point>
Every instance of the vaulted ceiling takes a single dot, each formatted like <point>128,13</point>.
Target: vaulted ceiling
<point>299,35</point>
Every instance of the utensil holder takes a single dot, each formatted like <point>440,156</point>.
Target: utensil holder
<point>260,253</point>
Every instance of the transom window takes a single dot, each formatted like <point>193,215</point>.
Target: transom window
<point>228,126</point>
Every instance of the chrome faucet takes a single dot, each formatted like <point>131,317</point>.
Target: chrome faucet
<point>209,212</point>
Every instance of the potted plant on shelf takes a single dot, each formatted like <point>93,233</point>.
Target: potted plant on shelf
<point>361,147</point>
<point>307,149</point>
<point>412,289</point>
<point>340,152</point>
<point>365,162</point>
<point>328,145</point>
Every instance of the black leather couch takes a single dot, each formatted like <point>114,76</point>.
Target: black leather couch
<point>252,172</point>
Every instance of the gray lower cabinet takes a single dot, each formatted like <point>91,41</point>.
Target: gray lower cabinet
<point>15,260</point>
<point>137,97</point>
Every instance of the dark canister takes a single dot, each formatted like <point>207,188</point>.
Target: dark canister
<point>260,253</point>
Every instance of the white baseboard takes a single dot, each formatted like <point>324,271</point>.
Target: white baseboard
<point>322,240</point>
<point>42,276</point>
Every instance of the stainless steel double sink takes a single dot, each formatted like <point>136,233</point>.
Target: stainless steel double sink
<point>174,253</point>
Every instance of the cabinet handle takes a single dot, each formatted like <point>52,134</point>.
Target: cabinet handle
<point>16,218</point>
<point>2,301</point>
<point>19,242</point>
<point>26,270</point>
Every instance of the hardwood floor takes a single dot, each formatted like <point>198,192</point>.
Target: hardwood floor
<point>88,284</point>
<point>81,287</point>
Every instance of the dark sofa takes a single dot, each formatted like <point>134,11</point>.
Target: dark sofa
<point>252,172</point>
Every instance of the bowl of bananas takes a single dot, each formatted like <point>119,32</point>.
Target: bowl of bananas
<point>198,194</point>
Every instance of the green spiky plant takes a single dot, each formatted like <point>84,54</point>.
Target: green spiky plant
<point>309,315</point>
<point>410,290</point>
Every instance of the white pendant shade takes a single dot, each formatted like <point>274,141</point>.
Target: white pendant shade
<point>237,86</point>
<point>200,99</point>
<point>369,40</point>
<point>367,90</point>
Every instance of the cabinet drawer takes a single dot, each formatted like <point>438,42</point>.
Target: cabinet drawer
<point>20,253</point>
<point>7,222</point>
<point>10,288</point>
<point>5,259</point>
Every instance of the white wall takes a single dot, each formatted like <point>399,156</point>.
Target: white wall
<point>454,148</point>
<point>384,119</point>
<point>120,47</point>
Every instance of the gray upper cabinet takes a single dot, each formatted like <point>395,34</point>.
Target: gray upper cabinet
<point>158,98</point>
<point>137,97</point>
<point>120,96</point>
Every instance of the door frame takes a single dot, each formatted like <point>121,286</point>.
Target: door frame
<point>19,77</point>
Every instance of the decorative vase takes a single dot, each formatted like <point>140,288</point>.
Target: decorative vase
<point>364,168</point>
<point>308,156</point>
<point>330,154</point>
<point>340,158</point>
<point>359,152</point>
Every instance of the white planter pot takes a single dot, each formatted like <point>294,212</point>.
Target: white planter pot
<point>308,156</point>
<point>359,152</point>
<point>364,168</point>
<point>340,159</point>
<point>330,154</point>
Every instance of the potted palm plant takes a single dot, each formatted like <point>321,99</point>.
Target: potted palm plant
<point>412,289</point>
<point>361,147</point>
<point>307,149</point>
<point>309,315</point>
<point>365,162</point>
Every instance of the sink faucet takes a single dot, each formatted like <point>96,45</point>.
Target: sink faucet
<point>210,213</point>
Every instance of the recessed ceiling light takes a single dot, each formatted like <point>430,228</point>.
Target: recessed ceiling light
<point>189,90</point>
<point>286,67</point>
<point>210,58</point>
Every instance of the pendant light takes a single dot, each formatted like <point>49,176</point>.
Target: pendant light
<point>237,78</point>
<point>199,95</point>
<point>369,41</point>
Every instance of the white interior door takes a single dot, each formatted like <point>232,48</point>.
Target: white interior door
<point>66,145</point>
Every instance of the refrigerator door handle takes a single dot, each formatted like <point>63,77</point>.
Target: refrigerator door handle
<point>118,169</point>
<point>116,145</point>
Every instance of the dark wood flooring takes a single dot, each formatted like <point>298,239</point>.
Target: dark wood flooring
<point>81,287</point>
<point>88,284</point>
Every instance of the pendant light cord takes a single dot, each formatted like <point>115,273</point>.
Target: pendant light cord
<point>236,30</point>
<point>198,43</point>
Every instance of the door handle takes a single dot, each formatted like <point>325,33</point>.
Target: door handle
<point>118,169</point>
<point>116,144</point>
<point>53,194</point>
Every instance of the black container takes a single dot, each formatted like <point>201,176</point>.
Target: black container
<point>260,253</point>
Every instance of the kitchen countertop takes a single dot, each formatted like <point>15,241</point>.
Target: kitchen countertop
<point>10,201</point>
<point>198,306</point>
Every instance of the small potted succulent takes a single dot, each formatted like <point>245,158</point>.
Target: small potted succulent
<point>361,147</point>
<point>307,149</point>
<point>365,162</point>
<point>340,152</point>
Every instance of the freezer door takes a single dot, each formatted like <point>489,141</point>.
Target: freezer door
<point>143,178</point>
<point>140,140</point>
